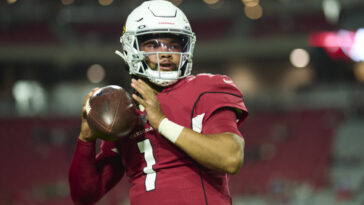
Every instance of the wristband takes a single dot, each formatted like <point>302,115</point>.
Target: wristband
<point>170,130</point>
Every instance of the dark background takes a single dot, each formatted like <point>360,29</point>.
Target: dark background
<point>305,129</point>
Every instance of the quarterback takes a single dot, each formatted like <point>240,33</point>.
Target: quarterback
<point>186,141</point>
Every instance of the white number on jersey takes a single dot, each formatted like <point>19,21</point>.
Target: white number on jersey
<point>146,147</point>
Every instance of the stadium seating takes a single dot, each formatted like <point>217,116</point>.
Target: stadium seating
<point>39,33</point>
<point>294,146</point>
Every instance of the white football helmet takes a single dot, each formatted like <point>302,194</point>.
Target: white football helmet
<point>156,17</point>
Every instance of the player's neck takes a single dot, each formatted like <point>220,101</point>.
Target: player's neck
<point>155,87</point>
<point>152,85</point>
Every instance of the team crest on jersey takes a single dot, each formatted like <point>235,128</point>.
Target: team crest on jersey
<point>140,132</point>
<point>142,121</point>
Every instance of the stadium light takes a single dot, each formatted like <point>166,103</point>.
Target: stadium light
<point>11,1</point>
<point>299,58</point>
<point>255,12</point>
<point>210,2</point>
<point>95,73</point>
<point>331,9</point>
<point>250,3</point>
<point>67,2</point>
<point>105,2</point>
<point>359,72</point>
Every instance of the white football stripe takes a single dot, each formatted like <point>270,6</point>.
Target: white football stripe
<point>88,107</point>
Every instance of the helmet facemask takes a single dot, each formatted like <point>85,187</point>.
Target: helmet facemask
<point>139,61</point>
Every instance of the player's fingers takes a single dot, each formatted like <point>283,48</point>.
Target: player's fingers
<point>92,92</point>
<point>139,100</point>
<point>135,84</point>
<point>150,94</point>
<point>86,100</point>
<point>143,84</point>
<point>140,89</point>
<point>84,112</point>
<point>149,90</point>
<point>89,95</point>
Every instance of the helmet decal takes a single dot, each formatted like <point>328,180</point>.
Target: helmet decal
<point>123,31</point>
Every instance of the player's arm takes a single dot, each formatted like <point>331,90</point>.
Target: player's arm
<point>220,151</point>
<point>91,176</point>
<point>223,152</point>
<point>220,147</point>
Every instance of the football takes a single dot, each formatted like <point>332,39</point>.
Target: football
<point>110,113</point>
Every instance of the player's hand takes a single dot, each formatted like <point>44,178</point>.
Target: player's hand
<point>149,101</point>
<point>86,134</point>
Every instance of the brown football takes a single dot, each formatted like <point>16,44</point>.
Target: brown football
<point>111,113</point>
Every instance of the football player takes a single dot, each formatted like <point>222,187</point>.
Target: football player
<point>187,140</point>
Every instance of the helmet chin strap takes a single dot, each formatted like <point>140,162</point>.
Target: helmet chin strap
<point>162,78</point>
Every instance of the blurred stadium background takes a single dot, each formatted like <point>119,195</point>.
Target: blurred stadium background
<point>298,63</point>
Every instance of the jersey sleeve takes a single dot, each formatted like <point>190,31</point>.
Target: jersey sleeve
<point>91,177</point>
<point>222,120</point>
<point>216,92</point>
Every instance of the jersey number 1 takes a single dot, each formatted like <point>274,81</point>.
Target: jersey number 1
<point>146,147</point>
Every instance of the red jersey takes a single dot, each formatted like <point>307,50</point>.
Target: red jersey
<point>160,172</point>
